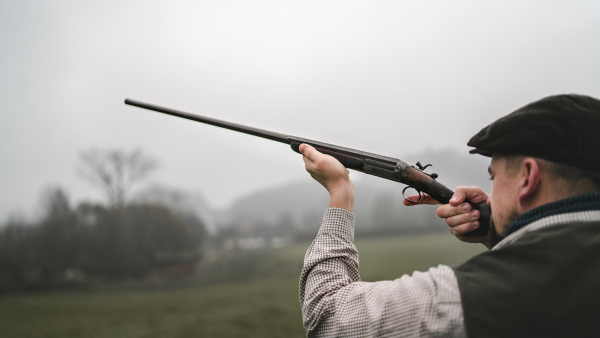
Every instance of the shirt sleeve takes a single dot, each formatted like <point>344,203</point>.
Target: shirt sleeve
<point>335,303</point>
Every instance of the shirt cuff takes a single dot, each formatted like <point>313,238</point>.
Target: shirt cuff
<point>338,221</point>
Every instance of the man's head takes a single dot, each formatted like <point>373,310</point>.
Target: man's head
<point>543,152</point>
<point>522,183</point>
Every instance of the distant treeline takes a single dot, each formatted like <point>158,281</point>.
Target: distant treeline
<point>71,246</point>
<point>157,237</point>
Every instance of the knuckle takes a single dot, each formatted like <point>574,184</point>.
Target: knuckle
<point>456,221</point>
<point>463,228</point>
<point>441,212</point>
<point>457,210</point>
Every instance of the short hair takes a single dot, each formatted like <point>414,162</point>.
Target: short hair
<point>512,162</point>
<point>562,171</point>
<point>574,174</point>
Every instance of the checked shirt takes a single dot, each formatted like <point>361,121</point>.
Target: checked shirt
<point>335,303</point>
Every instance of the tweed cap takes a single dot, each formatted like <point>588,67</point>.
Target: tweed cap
<point>562,128</point>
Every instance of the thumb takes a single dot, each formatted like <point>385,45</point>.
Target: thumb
<point>473,194</point>
<point>460,195</point>
<point>309,151</point>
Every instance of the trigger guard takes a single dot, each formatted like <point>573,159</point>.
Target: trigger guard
<point>421,195</point>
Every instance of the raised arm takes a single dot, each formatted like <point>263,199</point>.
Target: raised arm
<point>335,303</point>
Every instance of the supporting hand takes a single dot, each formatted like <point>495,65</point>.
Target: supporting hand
<point>331,174</point>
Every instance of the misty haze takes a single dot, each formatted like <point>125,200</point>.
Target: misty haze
<point>119,221</point>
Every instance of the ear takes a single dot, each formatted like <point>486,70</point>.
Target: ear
<point>529,180</point>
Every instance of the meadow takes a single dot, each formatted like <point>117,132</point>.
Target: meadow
<point>238,294</point>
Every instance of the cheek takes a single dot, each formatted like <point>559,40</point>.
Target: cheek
<point>501,206</point>
<point>493,199</point>
<point>497,203</point>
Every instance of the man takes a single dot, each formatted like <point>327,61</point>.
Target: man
<point>541,277</point>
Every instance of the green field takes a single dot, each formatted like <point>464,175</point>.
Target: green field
<point>263,302</point>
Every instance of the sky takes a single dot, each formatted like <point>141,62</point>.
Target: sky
<point>389,77</point>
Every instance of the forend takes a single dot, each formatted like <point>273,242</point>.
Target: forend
<point>373,164</point>
<point>343,150</point>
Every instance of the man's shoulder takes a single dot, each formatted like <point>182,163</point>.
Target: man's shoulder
<point>536,282</point>
<point>545,237</point>
<point>559,221</point>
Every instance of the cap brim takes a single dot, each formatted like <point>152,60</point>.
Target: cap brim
<point>483,152</point>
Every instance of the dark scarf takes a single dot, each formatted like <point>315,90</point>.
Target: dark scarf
<point>585,202</point>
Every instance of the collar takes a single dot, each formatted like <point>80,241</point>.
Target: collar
<point>585,202</point>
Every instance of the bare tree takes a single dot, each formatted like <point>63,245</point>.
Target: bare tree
<point>115,171</point>
<point>55,203</point>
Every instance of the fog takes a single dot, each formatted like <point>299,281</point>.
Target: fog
<point>391,77</point>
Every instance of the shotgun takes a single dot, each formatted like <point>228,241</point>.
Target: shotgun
<point>372,164</point>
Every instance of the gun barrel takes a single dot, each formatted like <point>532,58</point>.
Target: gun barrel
<point>215,122</point>
<point>372,164</point>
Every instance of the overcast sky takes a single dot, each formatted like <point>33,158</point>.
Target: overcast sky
<point>391,77</point>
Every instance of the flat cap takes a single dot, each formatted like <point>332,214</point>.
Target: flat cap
<point>562,128</point>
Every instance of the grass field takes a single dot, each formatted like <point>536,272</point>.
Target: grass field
<point>264,305</point>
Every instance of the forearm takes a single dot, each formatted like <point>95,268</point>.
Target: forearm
<point>342,197</point>
<point>331,262</point>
